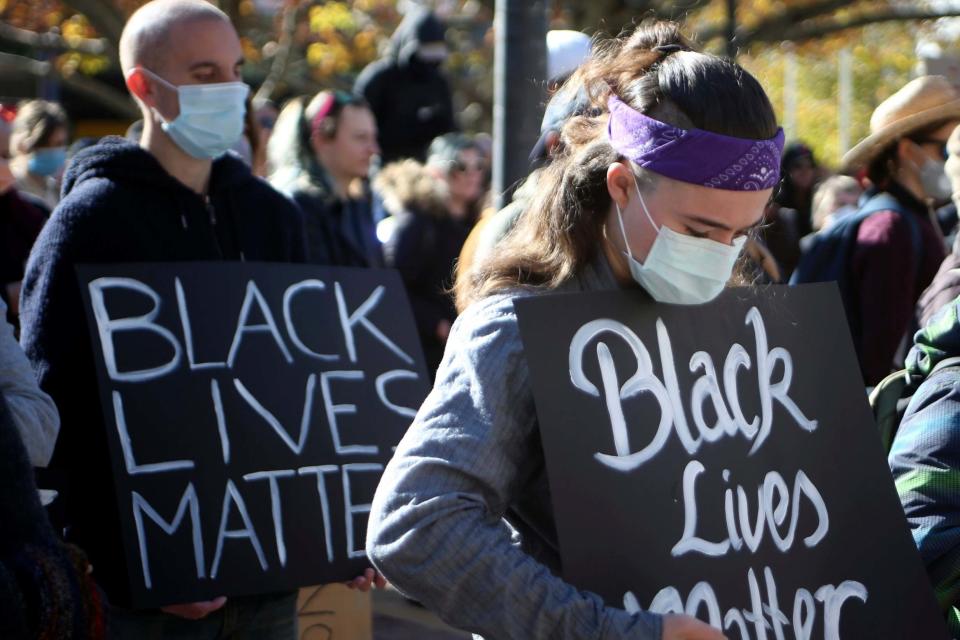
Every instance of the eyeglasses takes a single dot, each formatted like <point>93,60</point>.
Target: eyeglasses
<point>941,145</point>
<point>462,167</point>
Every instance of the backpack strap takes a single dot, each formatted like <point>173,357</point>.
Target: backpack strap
<point>889,399</point>
<point>946,363</point>
<point>886,202</point>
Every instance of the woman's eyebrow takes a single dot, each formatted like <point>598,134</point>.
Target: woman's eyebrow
<point>707,222</point>
<point>718,225</point>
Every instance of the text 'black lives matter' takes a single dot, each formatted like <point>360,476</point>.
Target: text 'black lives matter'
<point>250,410</point>
<point>721,461</point>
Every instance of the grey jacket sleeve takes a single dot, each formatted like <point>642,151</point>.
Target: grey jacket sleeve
<point>436,528</point>
<point>33,411</point>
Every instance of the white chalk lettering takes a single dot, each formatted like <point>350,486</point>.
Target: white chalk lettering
<point>305,418</point>
<point>359,317</point>
<point>642,380</point>
<point>324,501</point>
<point>127,446</point>
<point>188,332</point>
<point>288,297</point>
<point>252,296</point>
<point>769,391</point>
<point>107,327</point>
<point>232,497</point>
<point>381,384</point>
<point>352,510</point>
<point>774,500</point>
<point>689,541</point>
<point>141,506</point>
<point>763,617</point>
<point>275,508</point>
<point>221,420</point>
<point>730,420</point>
<point>334,410</point>
<point>833,599</point>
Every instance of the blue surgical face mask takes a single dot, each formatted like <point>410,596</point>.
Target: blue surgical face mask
<point>47,162</point>
<point>681,269</point>
<point>211,117</point>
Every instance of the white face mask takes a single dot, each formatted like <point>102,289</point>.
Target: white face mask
<point>936,184</point>
<point>211,117</point>
<point>681,269</point>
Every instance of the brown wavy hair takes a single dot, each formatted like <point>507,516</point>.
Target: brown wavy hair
<point>657,71</point>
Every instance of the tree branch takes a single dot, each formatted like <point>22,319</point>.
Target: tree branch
<point>55,42</point>
<point>278,67</point>
<point>103,16</point>
<point>117,101</point>
<point>893,14</point>
<point>92,89</point>
<point>12,62</point>
<point>780,21</point>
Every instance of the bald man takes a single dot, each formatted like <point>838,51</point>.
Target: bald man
<point>177,196</point>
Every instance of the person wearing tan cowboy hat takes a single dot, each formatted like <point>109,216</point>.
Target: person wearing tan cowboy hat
<point>899,247</point>
<point>945,287</point>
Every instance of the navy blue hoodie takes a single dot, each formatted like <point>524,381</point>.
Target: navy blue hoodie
<point>410,98</point>
<point>119,205</point>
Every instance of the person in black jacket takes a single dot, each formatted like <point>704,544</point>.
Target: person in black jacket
<point>46,590</point>
<point>434,209</point>
<point>176,197</point>
<point>321,151</point>
<point>408,93</point>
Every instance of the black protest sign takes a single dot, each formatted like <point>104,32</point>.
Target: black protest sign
<point>722,461</point>
<point>250,411</point>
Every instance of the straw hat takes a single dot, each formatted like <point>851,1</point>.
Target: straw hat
<point>920,103</point>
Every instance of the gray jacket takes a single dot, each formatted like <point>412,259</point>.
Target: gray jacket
<point>462,519</point>
<point>32,410</point>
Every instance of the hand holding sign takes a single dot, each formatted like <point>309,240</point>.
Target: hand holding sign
<point>195,610</point>
<point>687,628</point>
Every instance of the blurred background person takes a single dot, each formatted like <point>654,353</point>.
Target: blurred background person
<point>566,51</point>
<point>321,152</point>
<point>799,172</point>
<point>20,224</point>
<point>21,219</point>
<point>38,150</point>
<point>264,118</point>
<point>406,89</point>
<point>945,287</point>
<point>46,586</point>
<point>251,147</point>
<point>899,249</point>
<point>434,207</point>
<point>834,198</point>
<point>781,234</point>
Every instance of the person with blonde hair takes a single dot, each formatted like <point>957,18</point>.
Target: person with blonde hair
<point>834,198</point>
<point>656,186</point>
<point>38,150</point>
<point>433,208</point>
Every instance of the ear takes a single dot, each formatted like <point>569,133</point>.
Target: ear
<point>139,87</point>
<point>620,183</point>
<point>551,141</point>
<point>317,141</point>
<point>907,150</point>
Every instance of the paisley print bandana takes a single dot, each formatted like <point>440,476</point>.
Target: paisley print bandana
<point>693,155</point>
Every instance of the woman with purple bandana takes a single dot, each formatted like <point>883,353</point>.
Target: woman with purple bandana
<point>657,186</point>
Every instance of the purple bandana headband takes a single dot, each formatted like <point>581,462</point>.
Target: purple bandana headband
<point>693,155</point>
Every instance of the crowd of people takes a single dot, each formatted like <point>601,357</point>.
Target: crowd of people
<point>380,177</point>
